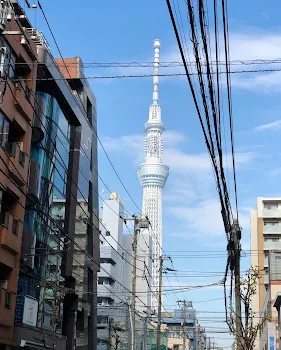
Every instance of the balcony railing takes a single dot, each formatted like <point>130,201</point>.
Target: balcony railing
<point>38,37</point>
<point>272,228</point>
<point>272,213</point>
<point>272,246</point>
<point>107,269</point>
<point>105,289</point>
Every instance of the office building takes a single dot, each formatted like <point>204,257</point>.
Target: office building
<point>175,330</point>
<point>265,245</point>
<point>115,276</point>
<point>112,292</point>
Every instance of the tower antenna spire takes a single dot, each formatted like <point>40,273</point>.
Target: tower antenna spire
<point>157,44</point>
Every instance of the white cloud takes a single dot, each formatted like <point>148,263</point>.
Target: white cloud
<point>257,45</point>
<point>269,126</point>
<point>180,190</point>
<point>266,83</point>
<point>204,218</point>
<point>242,158</point>
<point>182,162</point>
<point>275,172</point>
<point>135,143</point>
<point>173,138</point>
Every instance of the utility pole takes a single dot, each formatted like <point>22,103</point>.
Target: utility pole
<point>109,333</point>
<point>117,341</point>
<point>186,304</point>
<point>134,282</point>
<point>56,301</point>
<point>237,253</point>
<point>139,223</point>
<point>159,305</point>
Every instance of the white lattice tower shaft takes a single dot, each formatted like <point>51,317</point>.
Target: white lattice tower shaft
<point>153,175</point>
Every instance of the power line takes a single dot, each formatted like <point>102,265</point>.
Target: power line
<point>163,64</point>
<point>97,77</point>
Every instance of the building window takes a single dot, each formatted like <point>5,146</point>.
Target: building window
<point>270,206</point>
<point>90,240</point>
<point>270,223</point>
<point>53,269</point>
<point>102,319</point>
<point>4,131</point>
<point>8,300</point>
<point>15,228</point>
<point>90,281</point>
<point>80,321</point>
<point>89,111</point>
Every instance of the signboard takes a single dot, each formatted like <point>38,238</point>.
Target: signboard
<point>271,336</point>
<point>30,311</point>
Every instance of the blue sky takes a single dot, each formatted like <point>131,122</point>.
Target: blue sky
<point>124,31</point>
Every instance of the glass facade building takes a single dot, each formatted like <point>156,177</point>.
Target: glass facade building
<point>51,158</point>
<point>60,251</point>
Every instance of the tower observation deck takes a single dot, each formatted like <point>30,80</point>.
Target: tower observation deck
<point>153,175</point>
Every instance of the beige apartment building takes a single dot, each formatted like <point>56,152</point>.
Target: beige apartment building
<point>265,252</point>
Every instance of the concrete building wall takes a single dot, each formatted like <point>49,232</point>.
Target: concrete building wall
<point>265,238</point>
<point>112,293</point>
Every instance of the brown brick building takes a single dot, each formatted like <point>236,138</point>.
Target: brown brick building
<point>18,61</point>
<point>48,182</point>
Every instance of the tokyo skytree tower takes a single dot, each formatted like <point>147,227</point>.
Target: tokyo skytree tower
<point>153,175</point>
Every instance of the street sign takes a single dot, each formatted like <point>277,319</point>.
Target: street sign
<point>30,311</point>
